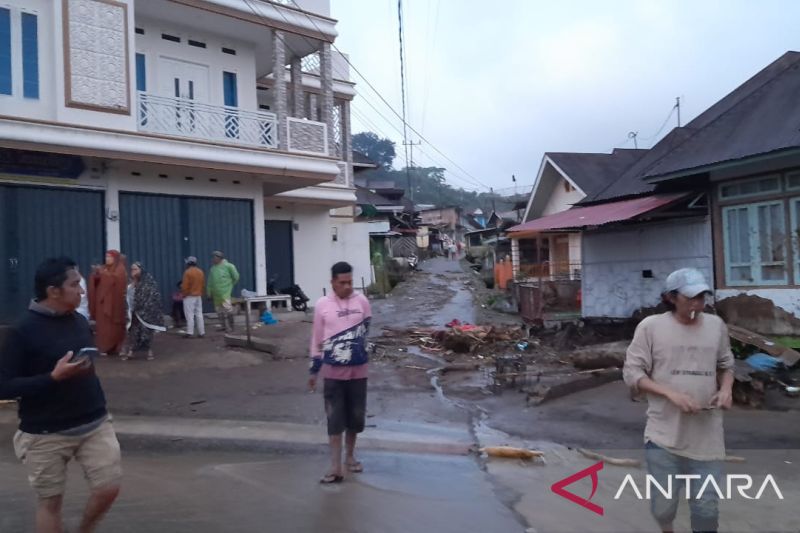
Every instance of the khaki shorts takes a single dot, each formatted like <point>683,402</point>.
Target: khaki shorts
<point>47,456</point>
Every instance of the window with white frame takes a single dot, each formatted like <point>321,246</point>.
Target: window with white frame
<point>794,208</point>
<point>755,244</point>
<point>19,53</point>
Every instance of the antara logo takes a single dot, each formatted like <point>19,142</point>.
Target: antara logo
<point>558,487</point>
<point>741,482</point>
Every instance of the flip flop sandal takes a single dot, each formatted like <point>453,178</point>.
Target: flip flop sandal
<point>355,468</point>
<point>329,479</point>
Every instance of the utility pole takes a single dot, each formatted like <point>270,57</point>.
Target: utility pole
<point>409,145</point>
<point>678,106</point>
<point>632,135</point>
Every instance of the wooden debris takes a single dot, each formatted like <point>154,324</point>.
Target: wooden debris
<point>734,459</point>
<point>789,356</point>
<point>634,463</point>
<point>454,367</point>
<point>509,452</point>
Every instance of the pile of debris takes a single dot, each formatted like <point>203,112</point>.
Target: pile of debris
<point>458,338</point>
<point>770,365</point>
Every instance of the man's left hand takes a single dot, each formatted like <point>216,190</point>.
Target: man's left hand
<point>723,399</point>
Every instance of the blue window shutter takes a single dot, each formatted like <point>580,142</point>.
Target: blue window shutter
<point>141,73</point>
<point>30,56</point>
<point>230,89</point>
<point>5,51</point>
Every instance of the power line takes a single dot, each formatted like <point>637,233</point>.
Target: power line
<point>464,184</point>
<point>371,86</point>
<point>471,179</point>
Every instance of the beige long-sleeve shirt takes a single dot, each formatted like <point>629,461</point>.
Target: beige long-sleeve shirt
<point>685,358</point>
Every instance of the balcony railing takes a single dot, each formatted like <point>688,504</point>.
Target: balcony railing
<point>187,118</point>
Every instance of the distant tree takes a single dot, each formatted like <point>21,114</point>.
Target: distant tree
<point>379,150</point>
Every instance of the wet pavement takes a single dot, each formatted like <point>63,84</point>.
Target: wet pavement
<point>213,492</point>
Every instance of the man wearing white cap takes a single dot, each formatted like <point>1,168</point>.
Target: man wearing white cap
<point>682,360</point>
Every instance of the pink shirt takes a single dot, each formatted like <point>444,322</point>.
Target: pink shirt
<point>332,316</point>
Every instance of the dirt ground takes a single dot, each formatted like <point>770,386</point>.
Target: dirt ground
<point>204,378</point>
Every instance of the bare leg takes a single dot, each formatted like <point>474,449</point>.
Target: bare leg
<point>335,442</point>
<point>48,515</point>
<point>350,447</point>
<point>98,505</point>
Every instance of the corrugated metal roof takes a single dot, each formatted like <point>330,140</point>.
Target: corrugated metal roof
<point>596,215</point>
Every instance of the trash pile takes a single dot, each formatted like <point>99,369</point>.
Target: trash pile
<point>770,364</point>
<point>461,338</point>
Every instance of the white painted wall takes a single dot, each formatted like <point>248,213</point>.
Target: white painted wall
<point>353,247</point>
<point>312,243</point>
<point>613,261</point>
<point>43,108</point>
<point>243,63</point>
<point>575,248</point>
<point>561,200</point>
<point>314,249</point>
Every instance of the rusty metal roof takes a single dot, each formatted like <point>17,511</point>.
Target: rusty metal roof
<point>596,215</point>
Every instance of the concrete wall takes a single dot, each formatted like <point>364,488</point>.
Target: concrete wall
<point>312,238</point>
<point>44,107</point>
<point>613,283</point>
<point>353,247</point>
<point>315,251</point>
<point>560,199</point>
<point>243,63</point>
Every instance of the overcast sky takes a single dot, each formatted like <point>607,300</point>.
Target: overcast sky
<point>494,85</point>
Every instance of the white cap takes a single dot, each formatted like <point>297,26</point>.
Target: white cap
<point>688,281</point>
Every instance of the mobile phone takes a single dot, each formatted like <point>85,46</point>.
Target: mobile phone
<point>85,354</point>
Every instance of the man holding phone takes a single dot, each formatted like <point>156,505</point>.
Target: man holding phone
<point>47,365</point>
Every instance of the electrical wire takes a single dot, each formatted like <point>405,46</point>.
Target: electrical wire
<point>392,109</point>
<point>470,179</point>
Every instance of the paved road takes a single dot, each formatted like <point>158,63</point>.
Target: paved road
<point>212,492</point>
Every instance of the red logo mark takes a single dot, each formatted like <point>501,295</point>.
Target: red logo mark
<point>558,488</point>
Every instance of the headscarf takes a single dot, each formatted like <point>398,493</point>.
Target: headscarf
<point>147,298</point>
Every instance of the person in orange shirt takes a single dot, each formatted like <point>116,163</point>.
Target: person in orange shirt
<point>194,281</point>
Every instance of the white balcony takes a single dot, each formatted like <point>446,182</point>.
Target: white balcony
<point>186,118</point>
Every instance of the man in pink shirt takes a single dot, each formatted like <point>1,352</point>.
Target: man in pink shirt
<point>339,354</point>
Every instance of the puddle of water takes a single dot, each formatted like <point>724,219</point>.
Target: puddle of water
<point>460,306</point>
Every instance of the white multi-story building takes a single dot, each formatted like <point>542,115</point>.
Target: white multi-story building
<point>168,128</point>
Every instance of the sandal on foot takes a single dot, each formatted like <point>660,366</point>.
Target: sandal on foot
<point>150,357</point>
<point>328,479</point>
<point>355,467</point>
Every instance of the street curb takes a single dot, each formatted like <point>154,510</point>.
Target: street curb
<point>257,435</point>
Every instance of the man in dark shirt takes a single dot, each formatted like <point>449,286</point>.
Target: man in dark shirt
<point>62,408</point>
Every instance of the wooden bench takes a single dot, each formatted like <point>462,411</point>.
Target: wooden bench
<point>267,299</point>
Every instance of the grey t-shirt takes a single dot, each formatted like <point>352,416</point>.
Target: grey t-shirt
<point>685,358</point>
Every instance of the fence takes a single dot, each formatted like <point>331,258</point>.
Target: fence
<point>549,291</point>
